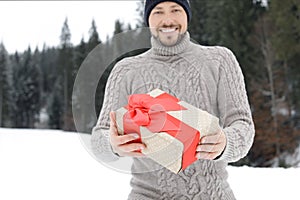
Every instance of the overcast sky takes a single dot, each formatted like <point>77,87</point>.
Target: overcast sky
<point>24,23</point>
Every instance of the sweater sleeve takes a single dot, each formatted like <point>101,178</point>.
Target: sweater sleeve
<point>234,108</point>
<point>115,96</point>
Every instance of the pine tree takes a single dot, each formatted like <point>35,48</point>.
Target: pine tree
<point>66,69</point>
<point>94,39</point>
<point>27,88</point>
<point>80,53</point>
<point>5,87</point>
<point>49,71</point>
<point>55,107</point>
<point>118,27</point>
<point>15,66</point>
<point>129,27</point>
<point>2,80</point>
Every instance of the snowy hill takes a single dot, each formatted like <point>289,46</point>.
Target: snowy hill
<point>47,164</point>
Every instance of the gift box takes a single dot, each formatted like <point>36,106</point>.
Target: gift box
<point>171,129</point>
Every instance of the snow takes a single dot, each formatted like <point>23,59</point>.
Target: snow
<point>51,164</point>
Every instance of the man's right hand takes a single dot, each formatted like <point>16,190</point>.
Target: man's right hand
<point>119,143</point>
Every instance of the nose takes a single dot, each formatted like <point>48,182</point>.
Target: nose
<point>167,21</point>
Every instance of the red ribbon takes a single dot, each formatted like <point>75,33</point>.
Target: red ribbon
<point>144,110</point>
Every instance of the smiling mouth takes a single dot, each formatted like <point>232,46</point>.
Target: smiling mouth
<point>168,30</point>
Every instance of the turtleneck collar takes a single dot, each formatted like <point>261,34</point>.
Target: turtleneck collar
<point>161,50</point>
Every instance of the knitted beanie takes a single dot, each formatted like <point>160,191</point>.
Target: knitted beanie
<point>150,4</point>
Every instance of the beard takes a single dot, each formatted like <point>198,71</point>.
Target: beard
<point>167,39</point>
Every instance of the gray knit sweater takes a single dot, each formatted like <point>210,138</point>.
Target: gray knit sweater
<point>207,77</point>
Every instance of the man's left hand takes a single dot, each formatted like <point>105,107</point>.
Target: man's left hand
<point>211,146</point>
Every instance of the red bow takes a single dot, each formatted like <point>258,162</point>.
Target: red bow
<point>145,110</point>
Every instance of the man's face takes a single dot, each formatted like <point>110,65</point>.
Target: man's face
<point>168,22</point>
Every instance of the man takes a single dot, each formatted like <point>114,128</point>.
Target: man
<point>207,77</point>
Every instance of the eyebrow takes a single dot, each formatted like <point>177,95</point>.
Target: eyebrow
<point>160,8</point>
<point>174,6</point>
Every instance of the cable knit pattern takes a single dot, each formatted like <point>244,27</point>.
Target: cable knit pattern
<point>207,77</point>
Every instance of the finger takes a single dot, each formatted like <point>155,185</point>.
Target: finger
<point>131,147</point>
<point>113,125</point>
<point>113,131</point>
<point>206,148</point>
<point>112,116</point>
<point>211,147</point>
<point>211,139</point>
<point>123,139</point>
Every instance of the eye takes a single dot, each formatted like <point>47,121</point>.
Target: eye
<point>176,10</point>
<point>157,12</point>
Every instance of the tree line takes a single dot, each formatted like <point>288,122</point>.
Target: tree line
<point>264,37</point>
<point>37,84</point>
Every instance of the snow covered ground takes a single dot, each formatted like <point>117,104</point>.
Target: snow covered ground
<point>47,164</point>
